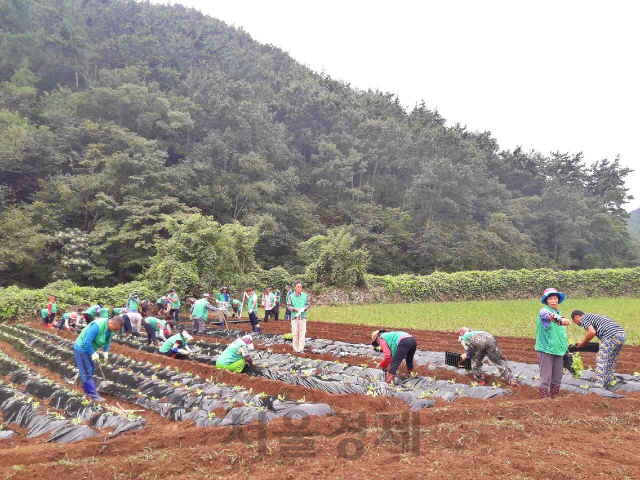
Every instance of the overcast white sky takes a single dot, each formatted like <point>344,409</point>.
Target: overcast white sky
<point>545,75</point>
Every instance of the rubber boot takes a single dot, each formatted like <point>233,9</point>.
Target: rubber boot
<point>544,392</point>
<point>554,390</point>
<point>390,378</point>
<point>90,389</point>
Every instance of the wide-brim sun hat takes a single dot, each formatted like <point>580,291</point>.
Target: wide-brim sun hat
<point>552,291</point>
<point>248,340</point>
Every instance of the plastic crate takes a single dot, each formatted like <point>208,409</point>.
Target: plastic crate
<point>589,347</point>
<point>453,359</point>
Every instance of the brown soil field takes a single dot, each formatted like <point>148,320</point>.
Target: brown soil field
<point>512,437</point>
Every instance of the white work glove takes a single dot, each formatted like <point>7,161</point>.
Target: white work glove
<point>187,348</point>
<point>106,356</point>
<point>183,351</point>
<point>95,357</point>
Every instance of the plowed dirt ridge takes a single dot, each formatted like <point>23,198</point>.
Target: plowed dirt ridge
<point>515,436</point>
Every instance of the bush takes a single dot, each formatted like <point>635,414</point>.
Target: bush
<point>509,284</point>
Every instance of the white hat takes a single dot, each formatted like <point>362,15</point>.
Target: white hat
<point>186,335</point>
<point>248,340</point>
<point>206,295</point>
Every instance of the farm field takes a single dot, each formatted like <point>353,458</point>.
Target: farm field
<point>508,436</point>
<point>512,318</point>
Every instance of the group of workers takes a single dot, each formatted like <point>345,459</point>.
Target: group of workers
<point>396,346</point>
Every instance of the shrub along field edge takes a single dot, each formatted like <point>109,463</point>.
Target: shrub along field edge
<point>472,285</point>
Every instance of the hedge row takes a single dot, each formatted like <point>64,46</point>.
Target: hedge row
<point>498,284</point>
<point>509,284</point>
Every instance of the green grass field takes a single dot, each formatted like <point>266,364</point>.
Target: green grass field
<point>514,318</point>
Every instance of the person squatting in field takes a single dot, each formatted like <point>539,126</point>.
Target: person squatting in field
<point>200,313</point>
<point>252,308</point>
<point>69,320</point>
<point>85,349</point>
<point>49,314</point>
<point>236,356</point>
<point>298,303</point>
<point>269,305</point>
<point>612,337</point>
<point>396,347</point>
<point>155,328</point>
<point>551,343</point>
<point>478,345</point>
<point>176,346</point>
<point>235,305</point>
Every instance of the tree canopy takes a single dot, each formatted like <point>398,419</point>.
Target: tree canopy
<point>152,140</point>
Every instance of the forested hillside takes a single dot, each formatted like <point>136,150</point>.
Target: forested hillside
<point>120,120</point>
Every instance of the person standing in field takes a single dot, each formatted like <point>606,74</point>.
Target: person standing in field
<point>612,337</point>
<point>200,313</point>
<point>396,347</point>
<point>551,343</point>
<point>276,308</point>
<point>133,303</point>
<point>287,294</point>
<point>222,304</point>
<point>175,305</point>
<point>252,309</point>
<point>85,350</point>
<point>298,303</point>
<point>268,303</point>
<point>479,344</point>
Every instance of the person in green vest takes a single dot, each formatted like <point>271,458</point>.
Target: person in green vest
<point>49,314</point>
<point>133,303</point>
<point>200,313</point>
<point>396,347</point>
<point>155,328</point>
<point>161,305</point>
<point>176,346</point>
<point>222,304</point>
<point>96,336</point>
<point>276,309</point>
<point>104,312</point>
<point>91,313</point>
<point>252,309</point>
<point>120,310</point>
<point>287,294</point>
<point>175,305</point>
<point>69,320</point>
<point>235,305</point>
<point>269,305</point>
<point>298,303</point>
<point>478,345</point>
<point>551,343</point>
<point>236,356</point>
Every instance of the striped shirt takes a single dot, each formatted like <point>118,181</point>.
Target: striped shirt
<point>604,326</point>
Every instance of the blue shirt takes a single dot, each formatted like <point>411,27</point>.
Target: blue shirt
<point>86,346</point>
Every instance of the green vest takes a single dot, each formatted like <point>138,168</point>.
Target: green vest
<point>156,323</point>
<point>54,307</point>
<point>104,312</point>
<point>175,301</point>
<point>133,304</point>
<point>231,354</point>
<point>100,340</point>
<point>166,346</point>
<point>93,310</point>
<point>236,303</point>
<point>553,339</point>
<point>271,296</point>
<point>44,313</point>
<point>66,316</point>
<point>220,297</point>
<point>252,302</point>
<point>299,302</point>
<point>118,311</point>
<point>392,339</point>
<point>200,308</point>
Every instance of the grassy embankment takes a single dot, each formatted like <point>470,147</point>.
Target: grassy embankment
<point>514,318</point>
